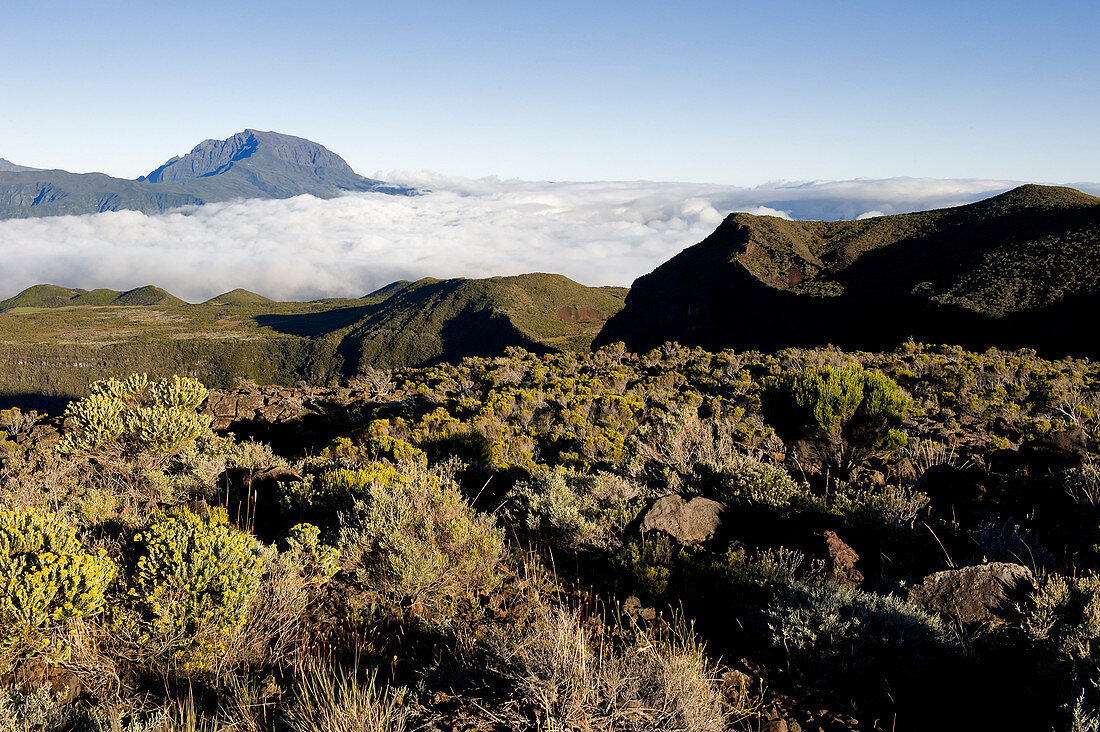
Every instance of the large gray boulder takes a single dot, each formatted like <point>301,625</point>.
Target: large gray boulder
<point>689,522</point>
<point>974,595</point>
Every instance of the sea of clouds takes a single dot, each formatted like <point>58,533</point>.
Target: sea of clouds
<point>305,247</point>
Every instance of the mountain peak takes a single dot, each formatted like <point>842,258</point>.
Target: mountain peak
<point>250,147</point>
<point>6,166</point>
<point>1032,195</point>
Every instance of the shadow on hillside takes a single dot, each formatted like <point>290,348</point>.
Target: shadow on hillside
<point>52,405</point>
<point>482,333</point>
<point>314,324</point>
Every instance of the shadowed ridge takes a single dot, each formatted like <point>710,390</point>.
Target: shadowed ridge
<point>431,320</point>
<point>387,290</point>
<point>999,272</point>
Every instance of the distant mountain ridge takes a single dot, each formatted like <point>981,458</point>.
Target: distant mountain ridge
<point>6,166</point>
<point>249,164</point>
<point>1021,269</point>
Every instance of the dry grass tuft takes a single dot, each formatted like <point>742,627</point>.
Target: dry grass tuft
<point>578,681</point>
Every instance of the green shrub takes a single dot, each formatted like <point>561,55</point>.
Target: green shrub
<point>373,444</point>
<point>135,417</point>
<point>1063,615</point>
<point>47,580</point>
<point>843,415</point>
<point>767,568</point>
<point>190,584</point>
<point>415,538</point>
<point>650,563</point>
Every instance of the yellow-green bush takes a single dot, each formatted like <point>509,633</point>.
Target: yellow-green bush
<point>374,444</point>
<point>190,584</point>
<point>47,580</point>
<point>135,416</point>
<point>1063,614</point>
<point>314,560</point>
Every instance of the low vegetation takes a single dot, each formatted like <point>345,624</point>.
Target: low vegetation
<point>671,540</point>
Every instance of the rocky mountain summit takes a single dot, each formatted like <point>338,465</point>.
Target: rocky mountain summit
<point>249,164</point>
<point>213,157</point>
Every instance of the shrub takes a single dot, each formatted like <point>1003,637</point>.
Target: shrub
<point>415,538</point>
<point>1063,614</point>
<point>835,631</point>
<point>305,551</point>
<point>291,583</point>
<point>190,584</point>
<point>1061,619</point>
<point>374,443</point>
<point>48,581</point>
<point>36,710</point>
<point>135,417</point>
<point>573,510</point>
<point>776,567</point>
<point>321,497</point>
<point>750,482</point>
<point>888,507</point>
<point>843,415</point>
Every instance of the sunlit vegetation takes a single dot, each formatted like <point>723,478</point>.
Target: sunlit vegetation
<point>467,548</point>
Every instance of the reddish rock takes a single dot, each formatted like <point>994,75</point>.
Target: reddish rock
<point>842,561</point>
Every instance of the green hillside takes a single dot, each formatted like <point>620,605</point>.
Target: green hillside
<point>42,296</point>
<point>55,296</point>
<point>147,295</point>
<point>431,320</point>
<point>56,340</point>
<point>240,298</point>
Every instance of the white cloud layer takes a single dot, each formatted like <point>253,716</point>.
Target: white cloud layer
<point>304,247</point>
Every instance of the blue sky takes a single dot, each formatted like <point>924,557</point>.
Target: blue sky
<point>723,92</point>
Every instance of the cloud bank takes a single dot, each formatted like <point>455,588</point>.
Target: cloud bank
<point>304,247</point>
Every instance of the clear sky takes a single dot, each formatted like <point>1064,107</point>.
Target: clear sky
<point>725,92</point>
